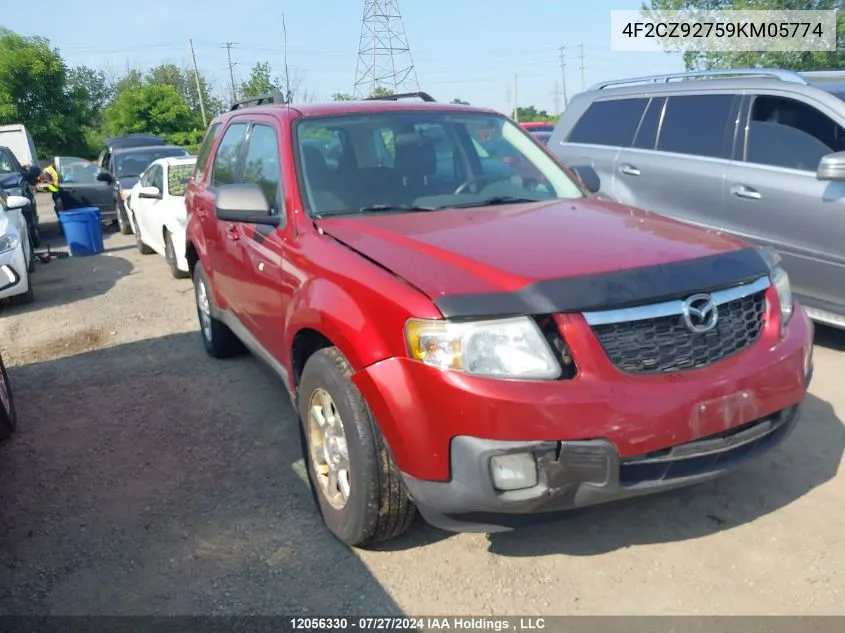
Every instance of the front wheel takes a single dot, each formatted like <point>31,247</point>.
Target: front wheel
<point>170,256</point>
<point>139,242</point>
<point>8,415</point>
<point>123,223</point>
<point>353,478</point>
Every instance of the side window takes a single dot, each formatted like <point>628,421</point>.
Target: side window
<point>225,171</point>
<point>647,134</point>
<point>145,178</point>
<point>789,133</point>
<point>385,144</point>
<point>157,178</point>
<point>261,164</point>
<point>612,122</point>
<point>696,125</point>
<point>205,150</point>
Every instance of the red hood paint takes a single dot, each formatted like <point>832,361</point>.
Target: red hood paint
<point>503,248</point>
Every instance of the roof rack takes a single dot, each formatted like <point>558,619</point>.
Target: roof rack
<point>783,75</point>
<point>405,95</point>
<point>824,74</point>
<point>270,97</point>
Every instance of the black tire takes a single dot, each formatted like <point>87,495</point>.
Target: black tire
<point>378,507</point>
<point>35,236</point>
<point>123,224</point>
<point>30,265</point>
<point>170,256</point>
<point>8,414</point>
<point>25,298</point>
<point>142,248</point>
<point>219,341</point>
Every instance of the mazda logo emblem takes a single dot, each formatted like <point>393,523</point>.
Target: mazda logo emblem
<point>701,314</point>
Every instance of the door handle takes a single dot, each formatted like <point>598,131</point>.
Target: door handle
<point>232,233</point>
<point>741,191</point>
<point>629,170</point>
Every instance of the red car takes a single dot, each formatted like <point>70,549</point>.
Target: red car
<point>471,345</point>
<point>538,126</point>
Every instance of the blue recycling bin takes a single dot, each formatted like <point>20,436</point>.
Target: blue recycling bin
<point>83,231</point>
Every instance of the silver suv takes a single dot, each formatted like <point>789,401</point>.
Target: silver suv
<point>758,153</point>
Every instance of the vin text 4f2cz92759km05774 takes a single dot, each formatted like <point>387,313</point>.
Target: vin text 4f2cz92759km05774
<point>477,339</point>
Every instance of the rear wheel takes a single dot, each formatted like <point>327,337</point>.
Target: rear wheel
<point>8,415</point>
<point>142,247</point>
<point>353,478</point>
<point>219,341</point>
<point>170,256</point>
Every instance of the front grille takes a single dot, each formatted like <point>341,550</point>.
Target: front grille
<point>664,344</point>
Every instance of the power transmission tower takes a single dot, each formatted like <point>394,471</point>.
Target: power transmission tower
<point>228,46</point>
<point>384,57</point>
<point>582,67</point>
<point>563,74</point>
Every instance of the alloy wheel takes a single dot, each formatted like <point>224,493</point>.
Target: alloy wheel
<point>328,449</point>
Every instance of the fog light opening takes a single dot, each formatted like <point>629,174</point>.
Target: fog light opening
<point>515,471</point>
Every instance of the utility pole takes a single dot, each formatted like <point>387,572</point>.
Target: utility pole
<point>556,95</point>
<point>228,46</point>
<point>515,99</point>
<point>199,85</point>
<point>563,74</point>
<point>582,68</point>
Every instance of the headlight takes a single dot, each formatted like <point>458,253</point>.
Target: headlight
<point>8,243</point>
<point>784,290</point>
<point>502,348</point>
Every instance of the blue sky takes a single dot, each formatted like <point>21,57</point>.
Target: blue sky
<point>470,49</point>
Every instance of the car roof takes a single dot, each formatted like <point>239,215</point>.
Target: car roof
<point>175,160</point>
<point>133,140</point>
<point>145,148</point>
<point>335,108</point>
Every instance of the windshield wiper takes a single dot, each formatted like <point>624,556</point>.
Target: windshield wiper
<point>489,202</point>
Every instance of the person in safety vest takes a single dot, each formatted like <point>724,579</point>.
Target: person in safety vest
<point>51,178</point>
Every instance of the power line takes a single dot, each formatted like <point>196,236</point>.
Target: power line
<point>228,46</point>
<point>582,68</point>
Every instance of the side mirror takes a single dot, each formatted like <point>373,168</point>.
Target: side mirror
<point>245,203</point>
<point>16,202</point>
<point>105,176</point>
<point>832,167</point>
<point>151,193</point>
<point>588,177</point>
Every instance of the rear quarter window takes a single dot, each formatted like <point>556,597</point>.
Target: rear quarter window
<point>612,122</point>
<point>205,150</point>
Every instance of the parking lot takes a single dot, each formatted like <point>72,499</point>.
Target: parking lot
<point>146,477</point>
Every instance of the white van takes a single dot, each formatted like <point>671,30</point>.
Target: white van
<point>18,139</point>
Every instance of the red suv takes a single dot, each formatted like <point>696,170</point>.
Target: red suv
<point>471,344</point>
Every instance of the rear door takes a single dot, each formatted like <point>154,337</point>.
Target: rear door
<point>679,158</point>
<point>79,187</point>
<point>775,199</point>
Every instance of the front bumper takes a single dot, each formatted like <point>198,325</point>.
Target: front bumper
<point>14,279</point>
<point>591,434</point>
<point>579,474</point>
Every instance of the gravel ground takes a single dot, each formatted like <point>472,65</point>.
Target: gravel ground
<point>147,478</point>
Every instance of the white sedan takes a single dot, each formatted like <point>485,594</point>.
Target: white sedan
<point>156,206</point>
<point>16,256</point>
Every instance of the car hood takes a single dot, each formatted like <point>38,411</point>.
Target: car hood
<point>10,180</point>
<point>504,248</point>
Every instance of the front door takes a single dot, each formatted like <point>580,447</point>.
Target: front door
<point>79,187</point>
<point>262,296</point>
<point>774,198</point>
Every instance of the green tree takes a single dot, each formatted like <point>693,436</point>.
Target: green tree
<point>341,96</point>
<point>381,91</point>
<point>790,60</point>
<point>260,82</point>
<point>34,91</point>
<point>149,109</point>
<point>460,102</point>
<point>185,83</point>
<point>531,113</point>
<point>90,92</point>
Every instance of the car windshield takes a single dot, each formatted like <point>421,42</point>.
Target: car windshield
<point>178,177</point>
<point>133,163</point>
<point>76,169</point>
<point>405,161</point>
<point>7,162</point>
